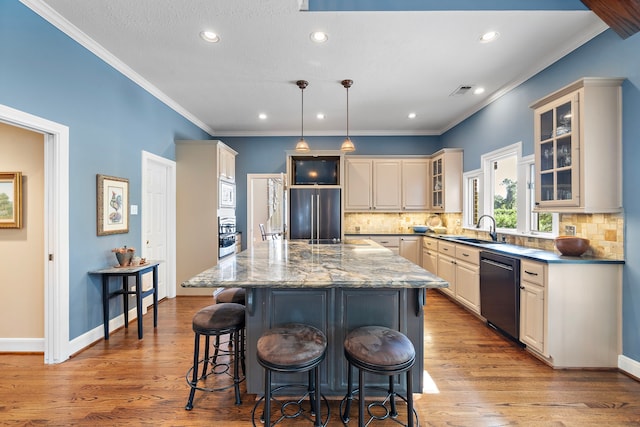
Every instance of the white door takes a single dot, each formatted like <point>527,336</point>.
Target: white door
<point>158,222</point>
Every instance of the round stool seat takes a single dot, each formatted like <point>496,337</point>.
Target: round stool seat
<point>218,317</point>
<point>235,295</point>
<point>292,346</point>
<point>379,348</point>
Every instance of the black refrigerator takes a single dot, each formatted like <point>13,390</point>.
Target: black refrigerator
<point>315,214</point>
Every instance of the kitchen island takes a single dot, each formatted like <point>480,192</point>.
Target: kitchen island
<point>334,287</point>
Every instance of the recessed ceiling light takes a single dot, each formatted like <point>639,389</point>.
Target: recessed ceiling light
<point>210,36</point>
<point>262,116</point>
<point>319,36</point>
<point>478,90</point>
<point>320,116</point>
<point>412,115</point>
<point>489,36</point>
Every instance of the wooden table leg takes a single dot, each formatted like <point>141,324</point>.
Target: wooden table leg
<point>139,303</point>
<point>105,305</point>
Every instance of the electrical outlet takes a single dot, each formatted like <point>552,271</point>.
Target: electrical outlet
<point>457,222</point>
<point>570,230</point>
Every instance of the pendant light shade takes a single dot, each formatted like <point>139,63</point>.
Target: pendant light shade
<point>302,145</point>
<point>347,144</point>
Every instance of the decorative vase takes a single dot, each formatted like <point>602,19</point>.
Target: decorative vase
<point>124,255</point>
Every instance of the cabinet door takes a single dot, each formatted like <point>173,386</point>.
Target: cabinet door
<point>437,184</point>
<point>226,164</point>
<point>386,184</point>
<point>410,248</point>
<point>415,184</point>
<point>430,261</point>
<point>359,176</point>
<point>468,285</point>
<point>532,316</point>
<point>557,153</point>
<point>447,271</point>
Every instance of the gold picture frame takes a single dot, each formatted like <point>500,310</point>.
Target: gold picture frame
<point>113,205</point>
<point>10,199</point>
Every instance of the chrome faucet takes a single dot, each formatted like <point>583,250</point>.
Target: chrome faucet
<point>492,231</point>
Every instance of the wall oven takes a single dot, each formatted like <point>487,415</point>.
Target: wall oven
<point>226,236</point>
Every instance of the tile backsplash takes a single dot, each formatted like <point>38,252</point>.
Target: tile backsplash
<point>604,231</point>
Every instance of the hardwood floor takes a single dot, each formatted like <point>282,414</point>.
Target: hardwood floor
<point>477,378</point>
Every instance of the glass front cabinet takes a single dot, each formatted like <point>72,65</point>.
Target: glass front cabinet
<point>557,153</point>
<point>578,146</point>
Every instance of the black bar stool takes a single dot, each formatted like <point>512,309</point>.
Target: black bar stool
<point>292,348</point>
<point>237,295</point>
<point>382,351</point>
<point>216,320</point>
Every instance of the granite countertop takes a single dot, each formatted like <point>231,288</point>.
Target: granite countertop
<point>509,249</point>
<point>297,264</point>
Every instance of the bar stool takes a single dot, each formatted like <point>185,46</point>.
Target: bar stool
<point>236,295</point>
<point>382,351</point>
<point>216,320</point>
<point>292,348</point>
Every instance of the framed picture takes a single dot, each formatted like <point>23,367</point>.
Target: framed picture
<point>113,205</point>
<point>10,199</point>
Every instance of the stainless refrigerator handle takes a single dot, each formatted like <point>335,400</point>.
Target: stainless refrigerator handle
<point>318,217</point>
<point>311,218</point>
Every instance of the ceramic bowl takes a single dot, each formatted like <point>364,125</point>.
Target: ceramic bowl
<point>420,228</point>
<point>571,245</point>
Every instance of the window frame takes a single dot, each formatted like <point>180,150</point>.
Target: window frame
<point>525,186</point>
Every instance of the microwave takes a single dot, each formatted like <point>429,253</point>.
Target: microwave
<point>227,195</point>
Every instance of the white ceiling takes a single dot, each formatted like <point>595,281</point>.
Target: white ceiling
<point>400,62</point>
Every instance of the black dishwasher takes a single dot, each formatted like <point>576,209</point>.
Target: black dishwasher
<point>500,292</point>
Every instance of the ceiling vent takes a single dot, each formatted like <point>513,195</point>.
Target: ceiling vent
<point>461,90</point>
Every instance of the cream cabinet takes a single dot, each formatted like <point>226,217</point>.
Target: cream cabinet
<point>389,242</point>
<point>570,313</point>
<point>415,189</point>
<point>460,266</point>
<point>386,184</point>
<point>532,285</point>
<point>430,254</point>
<point>468,277</point>
<point>410,248</point>
<point>387,176</point>
<point>226,163</point>
<point>578,148</point>
<point>197,198</point>
<point>447,266</point>
<point>446,181</point>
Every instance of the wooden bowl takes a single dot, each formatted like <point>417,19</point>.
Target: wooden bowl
<point>571,245</point>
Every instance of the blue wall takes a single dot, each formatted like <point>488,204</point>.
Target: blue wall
<point>110,119</point>
<point>509,120</point>
<point>267,155</point>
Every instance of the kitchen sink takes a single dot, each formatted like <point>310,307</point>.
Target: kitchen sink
<point>473,240</point>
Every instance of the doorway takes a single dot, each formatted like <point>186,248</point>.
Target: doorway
<point>56,229</point>
<point>158,220</point>
<point>266,204</point>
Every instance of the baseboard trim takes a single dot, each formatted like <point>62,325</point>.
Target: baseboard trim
<point>629,366</point>
<point>22,345</point>
<point>89,338</point>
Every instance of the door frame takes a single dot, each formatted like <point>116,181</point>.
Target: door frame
<point>250,178</point>
<point>170,203</point>
<point>56,229</point>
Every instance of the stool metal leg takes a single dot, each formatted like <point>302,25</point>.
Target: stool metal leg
<point>267,398</point>
<point>316,374</point>
<point>205,364</point>
<point>347,406</point>
<point>361,398</point>
<point>194,380</point>
<point>410,398</point>
<point>236,377</point>
<point>392,399</point>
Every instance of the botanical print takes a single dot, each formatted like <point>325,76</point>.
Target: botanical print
<point>6,200</point>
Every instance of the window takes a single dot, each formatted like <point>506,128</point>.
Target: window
<point>508,195</point>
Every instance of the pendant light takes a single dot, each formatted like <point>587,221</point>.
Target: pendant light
<point>302,145</point>
<point>347,145</point>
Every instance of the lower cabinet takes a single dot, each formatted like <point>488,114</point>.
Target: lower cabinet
<point>570,313</point>
<point>389,242</point>
<point>410,248</point>
<point>460,266</point>
<point>430,255</point>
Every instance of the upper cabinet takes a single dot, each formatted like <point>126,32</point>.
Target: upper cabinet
<point>446,181</point>
<point>578,148</point>
<point>387,184</point>
<point>226,163</point>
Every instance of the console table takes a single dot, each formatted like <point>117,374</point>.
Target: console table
<point>125,272</point>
